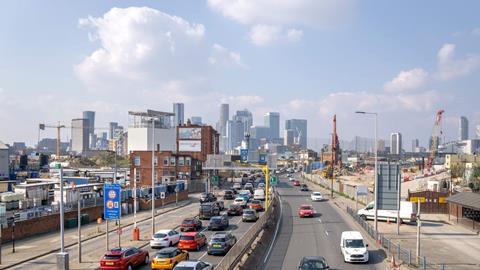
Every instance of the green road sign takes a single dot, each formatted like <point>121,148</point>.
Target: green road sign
<point>273,180</point>
<point>215,180</point>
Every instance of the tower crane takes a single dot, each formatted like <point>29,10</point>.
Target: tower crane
<point>435,139</point>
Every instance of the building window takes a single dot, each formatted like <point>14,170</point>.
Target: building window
<point>172,161</point>
<point>155,161</point>
<point>188,161</point>
<point>137,175</point>
<point>136,161</point>
<point>165,161</point>
<point>181,161</point>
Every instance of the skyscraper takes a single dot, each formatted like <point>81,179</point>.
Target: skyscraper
<point>112,126</point>
<point>80,135</point>
<point>288,137</point>
<point>463,128</point>
<point>272,121</point>
<point>415,145</point>
<point>478,131</point>
<point>178,110</point>
<point>246,117</point>
<point>90,117</point>
<point>396,143</point>
<point>299,128</point>
<point>222,125</point>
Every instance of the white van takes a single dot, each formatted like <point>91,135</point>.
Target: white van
<point>353,247</point>
<point>408,212</point>
<point>259,194</point>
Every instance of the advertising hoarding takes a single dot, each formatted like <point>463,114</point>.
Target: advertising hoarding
<point>190,146</point>
<point>190,133</point>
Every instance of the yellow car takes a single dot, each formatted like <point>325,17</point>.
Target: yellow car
<point>167,258</point>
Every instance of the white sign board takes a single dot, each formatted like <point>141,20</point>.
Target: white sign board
<point>362,190</point>
<point>189,146</point>
<point>190,133</point>
<point>162,195</point>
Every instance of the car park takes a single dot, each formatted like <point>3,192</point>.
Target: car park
<point>193,265</point>
<point>192,241</point>
<point>208,210</point>
<point>255,204</point>
<point>240,201</point>
<point>353,247</point>
<point>190,224</point>
<point>228,195</point>
<point>305,210</point>
<point>235,210</point>
<point>296,183</point>
<point>316,196</point>
<point>259,194</point>
<point>304,188</point>
<point>207,197</point>
<point>123,258</point>
<point>313,263</point>
<point>218,223</point>
<point>221,243</point>
<point>164,238</point>
<point>249,215</point>
<point>168,258</point>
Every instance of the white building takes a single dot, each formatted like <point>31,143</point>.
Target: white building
<point>463,128</point>
<point>396,143</point>
<point>4,172</point>
<point>470,147</point>
<point>140,137</point>
<point>80,135</point>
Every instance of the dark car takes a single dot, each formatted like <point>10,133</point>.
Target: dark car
<point>208,210</point>
<point>220,204</point>
<point>207,197</point>
<point>221,243</point>
<point>313,263</point>
<point>235,210</point>
<point>228,195</point>
<point>190,224</point>
<point>123,258</point>
<point>304,188</point>
<point>218,223</point>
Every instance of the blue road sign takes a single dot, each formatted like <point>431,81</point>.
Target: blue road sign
<point>262,159</point>
<point>111,201</point>
<point>244,155</point>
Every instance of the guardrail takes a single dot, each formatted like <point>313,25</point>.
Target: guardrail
<point>230,260</point>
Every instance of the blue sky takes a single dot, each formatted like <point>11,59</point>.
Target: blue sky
<point>306,59</point>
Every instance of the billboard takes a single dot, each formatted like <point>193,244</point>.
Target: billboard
<point>111,201</point>
<point>388,186</point>
<point>190,146</point>
<point>190,133</point>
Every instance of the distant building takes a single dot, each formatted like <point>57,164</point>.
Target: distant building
<point>179,111</point>
<point>299,128</point>
<point>80,135</point>
<point>140,127</point>
<point>381,145</point>
<point>196,120</point>
<point>222,125</point>
<point>272,121</point>
<point>49,146</point>
<point>245,116</point>
<point>112,126</point>
<point>90,126</point>
<point>470,147</point>
<point>415,145</point>
<point>463,128</point>
<point>478,131</point>
<point>288,137</point>
<point>4,161</point>
<point>396,143</point>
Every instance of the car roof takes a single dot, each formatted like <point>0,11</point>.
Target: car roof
<point>188,263</point>
<point>189,234</point>
<point>163,231</point>
<point>219,235</point>
<point>352,235</point>
<point>167,250</point>
<point>117,251</point>
<point>306,205</point>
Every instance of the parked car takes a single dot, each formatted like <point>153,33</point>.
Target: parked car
<point>304,188</point>
<point>296,183</point>
<point>316,196</point>
<point>190,224</point>
<point>208,210</point>
<point>249,215</point>
<point>305,210</point>
<point>221,243</point>
<point>240,201</point>
<point>408,212</point>
<point>313,263</point>
<point>193,265</point>
<point>228,195</point>
<point>218,223</point>
<point>255,204</point>
<point>192,241</point>
<point>259,194</point>
<point>235,210</point>
<point>125,258</point>
<point>164,238</point>
<point>168,258</point>
<point>353,247</point>
<point>207,197</point>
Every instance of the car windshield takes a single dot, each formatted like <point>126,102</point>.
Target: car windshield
<point>218,239</point>
<point>306,208</point>
<point>112,257</point>
<point>249,212</point>
<point>159,235</point>
<point>313,265</point>
<point>255,202</point>
<point>188,221</point>
<point>163,255</point>
<point>234,207</point>
<point>239,200</point>
<point>354,243</point>
<point>228,192</point>
<point>216,220</point>
<point>184,268</point>
<point>317,193</point>
<point>206,207</point>
<point>187,237</point>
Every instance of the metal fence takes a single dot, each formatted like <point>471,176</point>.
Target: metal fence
<point>404,255</point>
<point>230,260</point>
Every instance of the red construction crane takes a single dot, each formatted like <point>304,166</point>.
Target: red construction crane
<point>435,139</point>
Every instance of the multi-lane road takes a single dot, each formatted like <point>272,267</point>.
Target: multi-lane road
<point>318,236</point>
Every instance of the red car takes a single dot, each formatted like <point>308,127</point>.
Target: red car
<point>296,183</point>
<point>192,241</point>
<point>190,224</point>
<point>305,210</point>
<point>125,258</point>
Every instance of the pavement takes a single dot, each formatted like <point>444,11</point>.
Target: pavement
<point>317,236</point>
<point>442,241</point>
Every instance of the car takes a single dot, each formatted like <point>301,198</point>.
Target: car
<point>255,204</point>
<point>208,210</point>
<point>289,175</point>
<point>259,194</point>
<point>316,196</point>
<point>192,241</point>
<point>164,238</point>
<point>193,265</point>
<point>313,263</point>
<point>261,186</point>
<point>190,224</point>
<point>218,223</point>
<point>240,201</point>
<point>291,179</point>
<point>221,243</point>
<point>353,247</point>
<point>235,210</point>
<point>249,215</point>
<point>123,258</point>
<point>207,197</point>
<point>237,186</point>
<point>244,194</point>
<point>296,183</point>
<point>220,204</point>
<point>168,258</point>
<point>228,195</point>
<point>305,210</point>
<point>248,186</point>
<point>304,188</point>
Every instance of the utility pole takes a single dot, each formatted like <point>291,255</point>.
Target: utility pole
<point>153,176</point>
<point>399,192</point>
<point>62,257</point>
<point>106,232</point>
<point>136,232</point>
<point>419,225</point>
<point>79,231</point>
<point>267,182</point>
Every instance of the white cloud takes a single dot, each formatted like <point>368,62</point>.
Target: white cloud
<point>242,100</point>
<point>407,80</point>
<point>264,35</point>
<point>450,68</point>
<point>221,56</point>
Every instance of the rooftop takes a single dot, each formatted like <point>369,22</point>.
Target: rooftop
<point>467,199</point>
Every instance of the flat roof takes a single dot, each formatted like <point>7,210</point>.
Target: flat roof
<point>467,199</point>
<point>151,113</point>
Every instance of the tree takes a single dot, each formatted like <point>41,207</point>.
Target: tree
<point>457,170</point>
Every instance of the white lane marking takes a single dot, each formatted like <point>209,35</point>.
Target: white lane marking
<point>240,220</point>
<point>320,220</point>
<point>326,232</point>
<point>276,232</point>
<point>204,229</point>
<point>204,254</point>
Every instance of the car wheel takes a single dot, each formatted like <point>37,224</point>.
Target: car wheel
<point>198,247</point>
<point>129,267</point>
<point>363,217</point>
<point>188,257</point>
<point>147,260</point>
<point>170,244</point>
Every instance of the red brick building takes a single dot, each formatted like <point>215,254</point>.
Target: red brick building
<point>197,141</point>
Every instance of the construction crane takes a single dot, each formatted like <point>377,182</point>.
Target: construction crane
<point>435,139</point>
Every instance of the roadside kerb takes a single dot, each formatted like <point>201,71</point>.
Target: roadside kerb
<point>230,260</point>
<point>93,237</point>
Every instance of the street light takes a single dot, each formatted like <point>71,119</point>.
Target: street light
<point>153,119</point>
<point>376,171</point>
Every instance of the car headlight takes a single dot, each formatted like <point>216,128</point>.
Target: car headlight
<point>346,252</point>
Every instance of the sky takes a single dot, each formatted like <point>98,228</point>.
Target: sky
<point>306,59</point>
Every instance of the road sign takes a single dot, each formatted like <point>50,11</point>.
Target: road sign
<point>244,155</point>
<point>273,180</point>
<point>262,158</point>
<point>388,186</point>
<point>215,180</point>
<point>162,195</point>
<point>111,201</point>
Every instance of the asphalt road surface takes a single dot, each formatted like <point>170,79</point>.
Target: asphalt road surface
<point>317,236</point>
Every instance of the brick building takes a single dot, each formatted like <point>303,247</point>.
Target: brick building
<point>197,141</point>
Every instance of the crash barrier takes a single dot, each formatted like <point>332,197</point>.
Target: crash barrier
<point>231,259</point>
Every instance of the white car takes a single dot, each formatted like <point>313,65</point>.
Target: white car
<point>237,186</point>
<point>240,201</point>
<point>164,238</point>
<point>353,247</point>
<point>193,265</point>
<point>259,194</point>
<point>316,196</point>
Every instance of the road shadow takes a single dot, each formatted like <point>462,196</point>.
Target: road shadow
<point>376,256</point>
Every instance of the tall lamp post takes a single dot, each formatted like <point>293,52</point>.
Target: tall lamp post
<point>153,174</point>
<point>376,168</point>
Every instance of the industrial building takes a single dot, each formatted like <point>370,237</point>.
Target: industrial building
<point>140,127</point>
